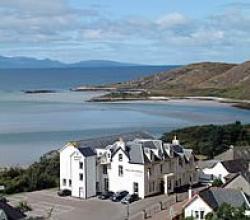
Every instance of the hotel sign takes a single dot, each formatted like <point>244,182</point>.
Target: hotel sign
<point>133,171</point>
<point>77,157</point>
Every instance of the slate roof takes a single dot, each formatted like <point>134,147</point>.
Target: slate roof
<point>137,155</point>
<point>215,197</point>
<point>207,163</point>
<point>87,151</point>
<point>149,144</point>
<point>234,153</point>
<point>12,213</point>
<point>103,142</point>
<point>236,166</point>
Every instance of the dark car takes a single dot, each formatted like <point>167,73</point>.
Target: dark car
<point>106,195</point>
<point>64,193</point>
<point>129,199</point>
<point>118,196</point>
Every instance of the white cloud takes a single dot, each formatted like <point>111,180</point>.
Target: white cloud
<point>55,24</point>
<point>171,20</point>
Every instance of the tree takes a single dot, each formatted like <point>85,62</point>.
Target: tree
<point>211,140</point>
<point>228,212</point>
<point>217,183</point>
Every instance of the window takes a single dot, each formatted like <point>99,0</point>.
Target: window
<point>81,177</point>
<point>136,188</point>
<point>169,185</point>
<point>81,165</point>
<point>120,171</point>
<point>64,182</point>
<point>149,172</point>
<point>153,187</point>
<point>108,155</point>
<point>161,168</point>
<point>70,183</point>
<point>197,214</point>
<point>97,186</point>
<point>106,184</point>
<point>105,170</point>
<point>120,157</point>
<point>201,214</point>
<point>180,162</point>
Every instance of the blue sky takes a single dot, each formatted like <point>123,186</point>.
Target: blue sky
<point>137,31</point>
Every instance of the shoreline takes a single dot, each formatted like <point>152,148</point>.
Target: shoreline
<point>243,104</point>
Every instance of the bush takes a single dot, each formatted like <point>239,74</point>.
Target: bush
<point>40,175</point>
<point>217,183</point>
<point>23,207</point>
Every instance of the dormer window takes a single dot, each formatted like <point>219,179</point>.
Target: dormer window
<point>120,157</point>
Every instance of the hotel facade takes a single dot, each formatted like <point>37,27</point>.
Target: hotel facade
<point>134,162</point>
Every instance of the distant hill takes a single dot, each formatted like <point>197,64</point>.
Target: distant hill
<point>101,63</point>
<point>26,62</point>
<point>201,79</point>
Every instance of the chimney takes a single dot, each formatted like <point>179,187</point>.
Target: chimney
<point>190,193</point>
<point>121,144</point>
<point>175,141</point>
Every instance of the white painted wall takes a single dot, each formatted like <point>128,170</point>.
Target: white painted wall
<point>70,158</point>
<point>66,165</point>
<point>76,182</point>
<point>131,173</point>
<point>197,205</point>
<point>217,171</point>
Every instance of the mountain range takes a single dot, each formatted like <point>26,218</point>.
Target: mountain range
<point>27,62</point>
<point>200,79</point>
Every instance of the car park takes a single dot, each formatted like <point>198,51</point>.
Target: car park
<point>118,196</point>
<point>106,195</point>
<point>129,198</point>
<point>64,193</point>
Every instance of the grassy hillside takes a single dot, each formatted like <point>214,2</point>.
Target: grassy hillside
<point>201,79</point>
<point>211,140</point>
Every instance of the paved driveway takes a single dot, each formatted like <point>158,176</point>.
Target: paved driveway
<point>68,208</point>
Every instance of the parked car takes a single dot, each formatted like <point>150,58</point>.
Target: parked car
<point>64,193</point>
<point>106,195</point>
<point>129,198</point>
<point>118,196</point>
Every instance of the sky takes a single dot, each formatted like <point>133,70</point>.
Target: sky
<point>150,32</point>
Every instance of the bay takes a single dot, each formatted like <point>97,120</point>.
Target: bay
<point>33,124</point>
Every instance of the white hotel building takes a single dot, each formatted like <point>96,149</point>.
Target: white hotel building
<point>134,162</point>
